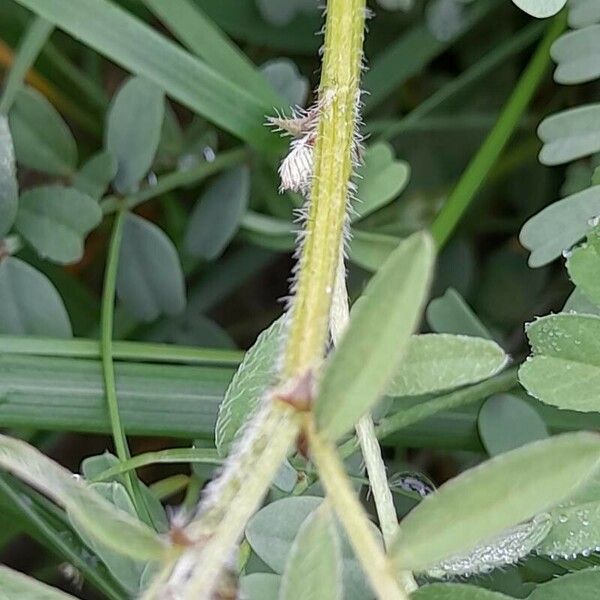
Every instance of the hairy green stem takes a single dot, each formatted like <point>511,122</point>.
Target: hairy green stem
<point>483,162</point>
<point>29,48</point>
<point>237,493</point>
<point>339,99</point>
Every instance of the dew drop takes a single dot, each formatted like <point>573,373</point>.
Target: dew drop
<point>562,518</point>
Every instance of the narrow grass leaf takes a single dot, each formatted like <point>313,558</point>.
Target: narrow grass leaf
<point>95,175</point>
<point>455,591</point>
<point>200,35</point>
<point>217,214</point>
<point>9,188</point>
<point>540,8</point>
<point>570,134</point>
<point>494,496</point>
<point>15,585</point>
<point>560,226</point>
<point>101,520</point>
<point>564,370</point>
<point>178,401</point>
<point>150,280</point>
<point>133,130</point>
<point>372,349</point>
<point>506,422</point>
<point>249,384</point>
<point>381,179</point>
<point>135,46</point>
<point>436,362</point>
<point>55,220</point>
<point>582,585</point>
<point>577,55</point>
<point>314,566</point>
<point>43,141</point>
<point>29,303</point>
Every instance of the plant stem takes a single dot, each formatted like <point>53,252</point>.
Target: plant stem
<point>108,369</point>
<point>339,98</point>
<point>36,36</point>
<point>353,518</point>
<point>481,165</point>
<point>365,432</point>
<point>237,493</point>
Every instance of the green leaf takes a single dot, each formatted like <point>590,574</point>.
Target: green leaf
<point>372,348</point>
<point>506,422</point>
<point>436,362</point>
<point>271,533</point>
<point>451,314</point>
<point>135,46</point>
<point>570,134</point>
<point>496,495</point>
<point>96,174</point>
<point>55,220</point>
<point>582,585</point>
<point>100,519</point>
<point>565,368</point>
<point>583,13</point>
<point>583,265</point>
<point>217,214</point>
<point>286,80</point>
<point>506,548</point>
<point>9,188</point>
<point>150,280</point>
<point>540,8</point>
<point>560,226</point>
<point>125,570</point>
<point>455,591</point>
<point>578,302</point>
<point>249,384</point>
<point>370,250</point>
<point>43,141</point>
<point>29,303</point>
<point>133,130</point>
<point>260,586</point>
<point>577,55</point>
<point>198,33</point>
<point>575,530</point>
<point>314,566</point>
<point>15,585</point>
<point>268,232</point>
<point>381,179</point>
<point>170,400</point>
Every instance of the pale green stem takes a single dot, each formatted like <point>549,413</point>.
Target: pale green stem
<point>378,568</point>
<point>365,432</point>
